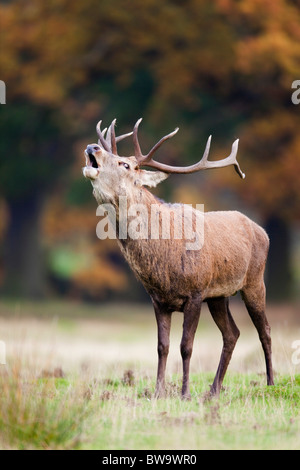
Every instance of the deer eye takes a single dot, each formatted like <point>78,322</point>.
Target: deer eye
<point>125,165</point>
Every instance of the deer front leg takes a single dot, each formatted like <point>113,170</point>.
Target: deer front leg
<point>163,320</point>
<point>191,318</point>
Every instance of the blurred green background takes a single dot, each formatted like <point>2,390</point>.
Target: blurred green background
<point>224,68</point>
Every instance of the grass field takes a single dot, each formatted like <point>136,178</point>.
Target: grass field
<point>83,377</point>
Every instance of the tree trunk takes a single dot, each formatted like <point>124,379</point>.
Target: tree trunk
<point>279,272</point>
<point>23,262</point>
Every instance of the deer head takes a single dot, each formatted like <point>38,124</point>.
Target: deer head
<point>113,176</point>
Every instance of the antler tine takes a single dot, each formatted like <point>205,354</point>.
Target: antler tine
<point>108,137</point>
<point>109,142</point>
<point>159,143</point>
<point>121,137</point>
<point>113,138</point>
<point>144,159</point>
<point>102,140</point>
<point>203,164</point>
<point>184,169</point>
<point>137,149</point>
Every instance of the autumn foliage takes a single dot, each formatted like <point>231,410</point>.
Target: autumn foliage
<point>224,67</point>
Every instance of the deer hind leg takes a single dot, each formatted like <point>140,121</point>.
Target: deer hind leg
<point>163,319</point>
<point>255,301</point>
<point>219,309</point>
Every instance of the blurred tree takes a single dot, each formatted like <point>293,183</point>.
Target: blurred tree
<point>34,66</point>
<point>267,58</point>
<point>79,265</point>
<point>30,163</point>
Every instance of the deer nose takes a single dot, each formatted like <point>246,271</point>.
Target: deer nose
<point>92,148</point>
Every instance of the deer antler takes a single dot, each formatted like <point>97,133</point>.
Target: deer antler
<point>203,164</point>
<point>109,143</point>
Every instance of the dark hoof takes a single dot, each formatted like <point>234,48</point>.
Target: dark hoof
<point>186,397</point>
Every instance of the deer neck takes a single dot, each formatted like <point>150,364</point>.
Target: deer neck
<point>134,205</point>
<point>125,207</point>
<point>137,250</point>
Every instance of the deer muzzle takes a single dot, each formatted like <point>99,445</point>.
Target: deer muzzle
<point>91,170</point>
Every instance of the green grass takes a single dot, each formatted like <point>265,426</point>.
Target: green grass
<point>83,377</point>
<point>247,416</point>
<point>39,414</point>
<point>120,412</point>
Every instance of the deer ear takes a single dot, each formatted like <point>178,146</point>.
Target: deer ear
<point>150,178</point>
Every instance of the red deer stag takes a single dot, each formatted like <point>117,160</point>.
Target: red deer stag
<point>232,257</point>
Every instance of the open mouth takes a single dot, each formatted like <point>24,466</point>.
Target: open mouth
<point>92,169</point>
<point>92,161</point>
